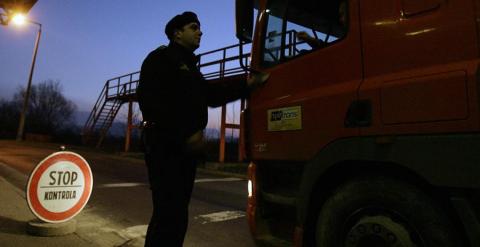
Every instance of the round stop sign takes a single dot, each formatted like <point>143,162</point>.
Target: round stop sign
<point>59,187</point>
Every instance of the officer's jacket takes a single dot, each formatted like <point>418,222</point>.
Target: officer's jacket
<point>173,94</point>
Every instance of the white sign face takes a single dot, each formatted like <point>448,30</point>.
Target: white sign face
<point>59,187</point>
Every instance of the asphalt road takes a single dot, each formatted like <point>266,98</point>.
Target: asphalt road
<point>217,209</point>
<point>120,206</point>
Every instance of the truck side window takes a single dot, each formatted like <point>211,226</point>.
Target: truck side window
<point>298,27</point>
<point>273,39</point>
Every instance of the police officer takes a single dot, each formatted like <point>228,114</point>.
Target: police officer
<point>173,98</point>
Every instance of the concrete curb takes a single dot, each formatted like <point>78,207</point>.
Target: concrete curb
<point>44,229</point>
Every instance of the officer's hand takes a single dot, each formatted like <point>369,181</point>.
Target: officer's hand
<point>256,78</point>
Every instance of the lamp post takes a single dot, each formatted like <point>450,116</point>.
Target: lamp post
<point>21,124</point>
<point>19,19</point>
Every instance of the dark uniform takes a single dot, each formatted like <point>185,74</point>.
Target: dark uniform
<point>173,98</point>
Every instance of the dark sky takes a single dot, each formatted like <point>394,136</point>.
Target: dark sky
<point>86,42</point>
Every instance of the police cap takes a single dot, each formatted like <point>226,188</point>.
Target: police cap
<point>179,21</point>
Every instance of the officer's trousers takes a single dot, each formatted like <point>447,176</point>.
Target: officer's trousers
<point>171,174</point>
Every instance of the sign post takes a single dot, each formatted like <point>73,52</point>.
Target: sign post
<point>59,187</point>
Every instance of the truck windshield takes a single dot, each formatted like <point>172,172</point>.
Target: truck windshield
<point>298,27</point>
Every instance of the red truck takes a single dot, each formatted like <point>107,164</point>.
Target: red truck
<point>369,136</point>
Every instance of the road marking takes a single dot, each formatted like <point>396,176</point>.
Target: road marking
<point>220,216</point>
<point>121,185</point>
<point>200,180</point>
<point>206,180</point>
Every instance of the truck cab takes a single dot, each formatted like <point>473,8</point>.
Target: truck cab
<point>367,131</point>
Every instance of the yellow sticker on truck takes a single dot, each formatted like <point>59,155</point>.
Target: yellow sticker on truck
<point>282,119</point>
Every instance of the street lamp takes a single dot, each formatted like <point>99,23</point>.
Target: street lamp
<point>20,19</point>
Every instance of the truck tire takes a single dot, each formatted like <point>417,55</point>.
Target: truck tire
<point>381,211</point>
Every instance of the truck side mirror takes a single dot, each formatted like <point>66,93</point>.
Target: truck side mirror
<point>244,20</point>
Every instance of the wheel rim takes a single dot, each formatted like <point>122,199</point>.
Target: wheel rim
<point>380,228</point>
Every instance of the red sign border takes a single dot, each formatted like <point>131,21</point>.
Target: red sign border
<point>32,187</point>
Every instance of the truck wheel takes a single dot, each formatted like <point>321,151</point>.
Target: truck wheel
<point>382,212</point>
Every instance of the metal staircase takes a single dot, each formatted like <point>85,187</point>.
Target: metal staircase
<point>116,91</point>
<point>218,64</point>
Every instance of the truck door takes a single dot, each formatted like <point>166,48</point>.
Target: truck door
<point>420,61</point>
<point>312,51</point>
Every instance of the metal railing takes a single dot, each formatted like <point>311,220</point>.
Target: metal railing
<point>92,118</point>
<point>227,65</point>
<point>121,86</point>
<point>215,64</point>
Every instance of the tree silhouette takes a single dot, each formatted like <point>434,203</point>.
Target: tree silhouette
<point>48,110</point>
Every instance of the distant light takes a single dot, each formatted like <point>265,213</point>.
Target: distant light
<point>19,19</point>
<point>268,11</point>
<point>250,188</point>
